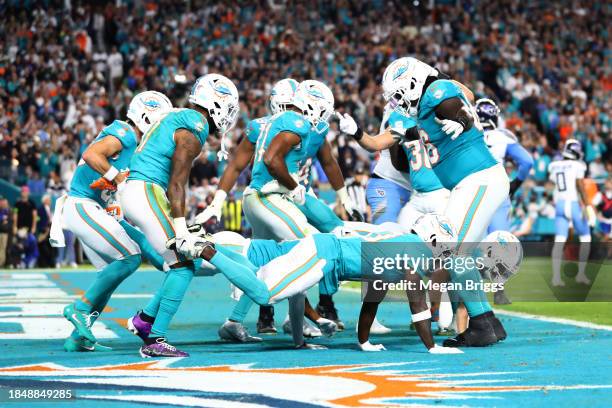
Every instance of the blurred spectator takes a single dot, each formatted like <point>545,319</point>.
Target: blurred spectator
<point>43,227</point>
<point>24,215</point>
<point>5,228</point>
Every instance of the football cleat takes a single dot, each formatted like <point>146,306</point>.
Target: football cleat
<point>139,327</point>
<point>265,323</point>
<point>161,348</point>
<point>308,330</point>
<point>480,333</point>
<point>77,343</point>
<point>310,346</point>
<point>329,311</point>
<point>81,321</point>
<point>445,331</point>
<point>237,333</point>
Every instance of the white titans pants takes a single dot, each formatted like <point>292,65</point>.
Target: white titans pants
<point>146,206</point>
<point>474,200</point>
<point>431,202</point>
<point>272,216</point>
<point>293,273</point>
<point>98,231</point>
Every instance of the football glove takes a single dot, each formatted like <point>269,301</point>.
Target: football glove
<point>367,346</point>
<point>451,127</point>
<point>214,208</point>
<point>297,195</point>
<point>444,350</point>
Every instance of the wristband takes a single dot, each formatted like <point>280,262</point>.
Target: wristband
<point>219,197</point>
<point>424,315</point>
<point>358,134</point>
<point>111,173</point>
<point>342,194</point>
<point>180,227</point>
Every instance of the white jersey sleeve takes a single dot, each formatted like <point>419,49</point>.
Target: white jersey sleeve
<point>564,174</point>
<point>384,168</point>
<point>497,141</point>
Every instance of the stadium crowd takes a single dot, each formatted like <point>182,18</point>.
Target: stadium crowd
<point>68,68</point>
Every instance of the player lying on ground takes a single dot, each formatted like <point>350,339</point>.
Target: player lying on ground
<point>501,254</point>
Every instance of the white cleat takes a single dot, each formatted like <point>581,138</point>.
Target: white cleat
<point>308,330</point>
<point>327,327</point>
<point>558,282</point>
<point>582,278</point>
<point>237,333</point>
<point>377,328</point>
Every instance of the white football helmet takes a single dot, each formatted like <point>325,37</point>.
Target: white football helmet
<point>316,101</point>
<point>572,150</point>
<point>217,94</point>
<point>438,231</point>
<point>282,94</point>
<point>403,83</point>
<point>146,108</point>
<point>502,254</point>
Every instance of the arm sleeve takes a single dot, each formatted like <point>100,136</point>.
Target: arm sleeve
<point>522,158</point>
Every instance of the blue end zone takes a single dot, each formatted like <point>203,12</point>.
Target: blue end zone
<point>540,364</point>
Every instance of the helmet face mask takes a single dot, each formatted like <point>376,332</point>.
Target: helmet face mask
<point>316,101</point>
<point>488,112</point>
<point>437,231</point>
<point>146,108</point>
<point>403,83</point>
<point>502,254</point>
<point>219,96</point>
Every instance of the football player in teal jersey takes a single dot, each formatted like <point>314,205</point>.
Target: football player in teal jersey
<point>449,127</point>
<point>112,245</point>
<point>269,271</point>
<point>153,198</point>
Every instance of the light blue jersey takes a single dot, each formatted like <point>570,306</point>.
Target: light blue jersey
<point>85,175</point>
<point>152,160</point>
<point>453,160</point>
<point>288,121</point>
<point>422,178</point>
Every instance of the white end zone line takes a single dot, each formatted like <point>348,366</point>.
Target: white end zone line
<point>559,320</point>
<point>522,315</point>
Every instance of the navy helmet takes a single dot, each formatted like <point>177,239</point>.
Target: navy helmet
<point>572,149</point>
<point>487,112</point>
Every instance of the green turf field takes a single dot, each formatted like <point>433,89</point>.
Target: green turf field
<point>531,292</point>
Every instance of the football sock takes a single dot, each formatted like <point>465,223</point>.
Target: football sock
<point>173,290</point>
<point>296,316</point>
<point>107,280</point>
<point>145,247</point>
<point>243,277</point>
<point>153,306</point>
<point>557,259</point>
<point>583,254</point>
<point>241,309</point>
<point>475,300</point>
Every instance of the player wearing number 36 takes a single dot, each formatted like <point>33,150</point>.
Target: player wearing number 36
<point>449,128</point>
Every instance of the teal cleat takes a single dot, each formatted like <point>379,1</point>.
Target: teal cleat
<point>81,321</point>
<point>77,343</point>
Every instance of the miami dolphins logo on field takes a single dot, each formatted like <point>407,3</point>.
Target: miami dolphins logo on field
<point>349,385</point>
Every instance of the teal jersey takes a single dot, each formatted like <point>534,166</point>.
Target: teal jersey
<point>453,160</point>
<point>152,161</point>
<point>422,177</point>
<point>315,141</point>
<point>85,175</point>
<point>288,121</point>
<point>262,251</point>
<point>254,128</point>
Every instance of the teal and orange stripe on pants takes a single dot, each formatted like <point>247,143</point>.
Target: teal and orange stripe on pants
<point>293,275</point>
<point>103,232</point>
<point>287,220</point>
<point>469,217</point>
